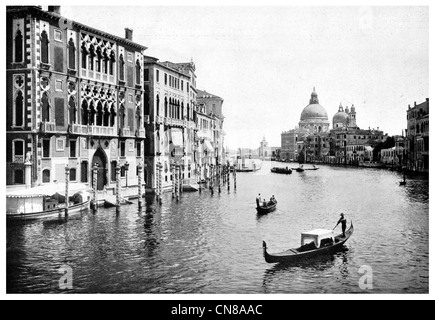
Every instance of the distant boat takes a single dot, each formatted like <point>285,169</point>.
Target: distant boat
<point>371,164</point>
<point>281,170</point>
<point>326,246</point>
<point>248,165</point>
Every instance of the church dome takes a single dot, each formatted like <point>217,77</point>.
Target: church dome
<point>340,117</point>
<point>314,110</point>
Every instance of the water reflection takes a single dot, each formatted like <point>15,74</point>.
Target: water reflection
<point>212,243</point>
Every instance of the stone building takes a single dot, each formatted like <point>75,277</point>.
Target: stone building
<point>417,137</point>
<point>210,120</point>
<point>74,97</point>
<point>170,103</point>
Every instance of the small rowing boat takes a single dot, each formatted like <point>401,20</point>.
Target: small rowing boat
<point>281,170</point>
<point>270,206</point>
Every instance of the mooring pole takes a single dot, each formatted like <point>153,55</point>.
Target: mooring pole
<point>94,186</point>
<point>118,187</point>
<point>67,170</point>
<point>139,184</point>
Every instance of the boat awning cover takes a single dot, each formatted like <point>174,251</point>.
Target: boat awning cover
<point>47,190</point>
<point>208,146</point>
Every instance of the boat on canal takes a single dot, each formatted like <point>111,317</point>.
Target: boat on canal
<point>46,202</point>
<point>269,207</point>
<point>313,243</point>
<point>281,170</point>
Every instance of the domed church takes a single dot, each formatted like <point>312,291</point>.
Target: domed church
<point>314,117</point>
<point>344,119</point>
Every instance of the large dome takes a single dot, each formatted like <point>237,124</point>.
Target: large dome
<point>314,110</point>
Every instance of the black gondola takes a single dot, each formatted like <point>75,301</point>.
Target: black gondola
<point>270,206</point>
<point>327,246</point>
<point>281,170</point>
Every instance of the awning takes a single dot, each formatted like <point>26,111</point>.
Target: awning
<point>208,146</point>
<point>47,190</point>
<point>176,135</point>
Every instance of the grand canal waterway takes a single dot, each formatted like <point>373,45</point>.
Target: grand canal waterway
<point>213,243</point>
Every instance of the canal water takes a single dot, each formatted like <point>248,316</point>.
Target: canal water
<point>213,243</point>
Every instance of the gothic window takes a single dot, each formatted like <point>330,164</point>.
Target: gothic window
<point>44,47</point>
<point>92,113</point>
<point>105,62</point>
<point>71,54</point>
<point>188,112</point>
<point>166,107</point>
<point>138,67</point>
<point>19,110</point>
<point>46,175</point>
<point>99,60</point>
<point>19,47</point>
<point>157,105</point>
<point>106,116</point>
<point>85,113</point>
<point>111,63</point>
<point>121,116</point>
<point>121,67</point>
<point>45,107</point>
<point>99,121</point>
<point>84,56</point>
<point>72,110</point>
<point>91,58</point>
<point>18,150</point>
<point>112,116</point>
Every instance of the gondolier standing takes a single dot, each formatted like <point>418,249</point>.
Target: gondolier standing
<point>258,200</point>
<point>343,224</point>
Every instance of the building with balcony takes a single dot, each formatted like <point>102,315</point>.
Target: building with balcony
<point>170,101</point>
<point>417,137</point>
<point>74,97</point>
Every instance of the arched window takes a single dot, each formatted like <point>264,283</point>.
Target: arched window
<point>19,110</point>
<point>111,63</point>
<point>19,47</point>
<point>121,116</point>
<point>72,110</point>
<point>84,56</point>
<point>188,112</point>
<point>85,113</point>
<point>99,119</point>
<point>121,67</point>
<point>112,115</point>
<point>91,58</point>
<point>44,47</point>
<point>105,62</point>
<point>45,107</point>
<point>92,113</point>
<point>166,107</point>
<point>71,54</point>
<point>157,105</point>
<point>106,116</point>
<point>46,175</point>
<point>138,67</point>
<point>99,60</point>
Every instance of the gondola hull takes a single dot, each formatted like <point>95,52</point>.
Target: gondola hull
<point>293,255</point>
<point>281,170</point>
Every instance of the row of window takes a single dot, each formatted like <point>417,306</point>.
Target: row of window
<point>168,80</point>
<point>18,149</point>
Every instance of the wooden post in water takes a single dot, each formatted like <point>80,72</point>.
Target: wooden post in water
<point>160,182</point>
<point>139,184</point>
<point>67,170</point>
<point>173,180</point>
<point>94,186</point>
<point>177,182</point>
<point>118,187</point>
<point>235,180</point>
<point>219,179</point>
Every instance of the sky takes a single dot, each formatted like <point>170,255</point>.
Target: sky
<point>265,60</point>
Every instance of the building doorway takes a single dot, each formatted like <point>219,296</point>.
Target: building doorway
<point>101,160</point>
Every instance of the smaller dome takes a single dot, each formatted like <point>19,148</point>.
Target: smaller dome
<point>340,117</point>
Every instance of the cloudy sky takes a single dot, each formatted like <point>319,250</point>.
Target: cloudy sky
<point>264,61</point>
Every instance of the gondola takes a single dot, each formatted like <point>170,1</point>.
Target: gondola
<point>271,206</point>
<point>310,250</point>
<point>299,169</point>
<point>281,170</point>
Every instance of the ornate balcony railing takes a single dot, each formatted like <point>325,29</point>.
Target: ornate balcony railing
<point>48,127</point>
<point>93,130</point>
<point>141,133</point>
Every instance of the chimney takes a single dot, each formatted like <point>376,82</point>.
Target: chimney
<point>415,103</point>
<point>54,9</point>
<point>129,34</point>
